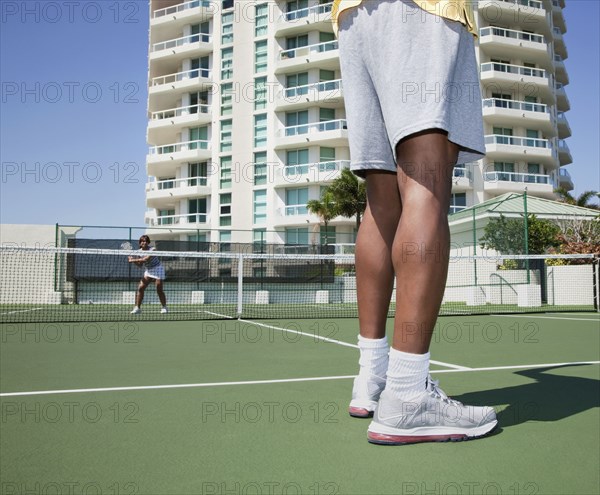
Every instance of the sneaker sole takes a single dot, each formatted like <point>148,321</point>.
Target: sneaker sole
<point>360,412</point>
<point>389,439</point>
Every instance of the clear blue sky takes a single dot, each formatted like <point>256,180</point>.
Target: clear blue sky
<point>73,109</point>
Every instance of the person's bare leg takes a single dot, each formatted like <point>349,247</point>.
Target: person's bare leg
<point>375,280</point>
<point>374,268</point>
<point>421,245</point>
<point>139,298</point>
<point>161,293</point>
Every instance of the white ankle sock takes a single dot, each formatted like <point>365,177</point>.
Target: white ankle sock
<point>407,374</point>
<point>373,356</point>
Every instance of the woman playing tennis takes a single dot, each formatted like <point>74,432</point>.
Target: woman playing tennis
<point>154,272</point>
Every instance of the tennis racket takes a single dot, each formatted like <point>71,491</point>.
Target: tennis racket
<point>127,246</point>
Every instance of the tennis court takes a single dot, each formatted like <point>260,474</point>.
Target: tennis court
<point>240,407</point>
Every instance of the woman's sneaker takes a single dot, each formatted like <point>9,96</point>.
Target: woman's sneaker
<point>365,395</point>
<point>431,417</point>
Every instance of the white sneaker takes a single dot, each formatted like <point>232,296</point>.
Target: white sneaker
<point>431,417</point>
<point>164,310</point>
<point>365,395</point>
<point>136,311</point>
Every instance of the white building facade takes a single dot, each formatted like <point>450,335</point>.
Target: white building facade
<point>247,120</point>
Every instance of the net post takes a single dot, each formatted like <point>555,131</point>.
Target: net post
<point>240,290</point>
<point>526,227</point>
<point>596,283</point>
<point>55,257</point>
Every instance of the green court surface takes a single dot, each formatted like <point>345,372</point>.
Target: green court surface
<point>238,407</point>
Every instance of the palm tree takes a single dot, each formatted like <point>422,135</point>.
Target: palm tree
<point>325,208</point>
<point>582,200</point>
<point>349,194</point>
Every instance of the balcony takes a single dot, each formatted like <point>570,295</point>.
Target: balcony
<point>527,46</point>
<point>560,71</point>
<point>528,79</point>
<point>510,148</point>
<point>322,93</point>
<point>321,172</point>
<point>559,43</point>
<point>167,193</point>
<point>557,16</point>
<point>178,49</point>
<point>191,220</point>
<point>330,133</point>
<point>519,113</point>
<point>564,153</point>
<point>321,55</point>
<point>503,182</point>
<point>164,160</point>
<point>176,16</point>
<point>167,123</point>
<point>295,22</point>
<point>522,12</point>
<point>564,179</point>
<point>564,129</point>
<point>180,81</point>
<point>562,100</point>
<point>462,179</point>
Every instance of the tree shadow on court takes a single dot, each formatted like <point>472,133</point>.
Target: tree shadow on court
<point>551,397</point>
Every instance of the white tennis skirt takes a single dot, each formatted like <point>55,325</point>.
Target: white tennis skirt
<point>156,272</point>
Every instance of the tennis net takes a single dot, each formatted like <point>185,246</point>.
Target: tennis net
<point>47,284</point>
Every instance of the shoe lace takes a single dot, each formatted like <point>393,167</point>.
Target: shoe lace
<point>434,389</point>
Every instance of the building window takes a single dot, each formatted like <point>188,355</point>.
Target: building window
<point>226,126</point>
<point>296,85</point>
<point>327,235</point>
<point>260,168</point>
<point>296,123</point>
<point>296,235</point>
<point>198,138</point>
<point>260,130</point>
<point>260,56</point>
<point>260,207</point>
<point>260,93</point>
<point>295,201</point>
<point>225,209</point>
<point>226,99</point>
<point>458,202</point>
<point>227,63</point>
<point>227,28</point>
<point>197,174</point>
<point>197,210</point>
<point>259,240</point>
<point>227,4</point>
<point>225,181</point>
<point>261,19</point>
<point>296,162</point>
<point>166,217</point>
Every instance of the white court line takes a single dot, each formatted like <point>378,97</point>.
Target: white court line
<point>548,317</point>
<point>327,339</point>
<point>265,382</point>
<point>21,311</point>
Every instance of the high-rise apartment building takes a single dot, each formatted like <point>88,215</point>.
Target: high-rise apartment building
<point>247,120</point>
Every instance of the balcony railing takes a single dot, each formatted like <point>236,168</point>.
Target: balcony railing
<point>306,12</point>
<point>313,88</point>
<point>456,209</point>
<point>514,69</point>
<point>564,173</point>
<point>181,76</point>
<point>459,172</point>
<point>527,3</point>
<point>305,168</point>
<point>187,218</point>
<point>185,40</point>
<point>518,141</point>
<point>510,33</point>
<point>181,7</point>
<point>515,105</point>
<point>161,185</point>
<point>327,125</point>
<point>309,49</point>
<point>517,177</point>
<point>295,210</point>
<point>176,147</point>
<point>178,112</point>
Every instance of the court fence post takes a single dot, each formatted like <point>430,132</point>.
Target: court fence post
<point>240,290</point>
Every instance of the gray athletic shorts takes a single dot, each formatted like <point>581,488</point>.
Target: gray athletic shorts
<point>404,71</point>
